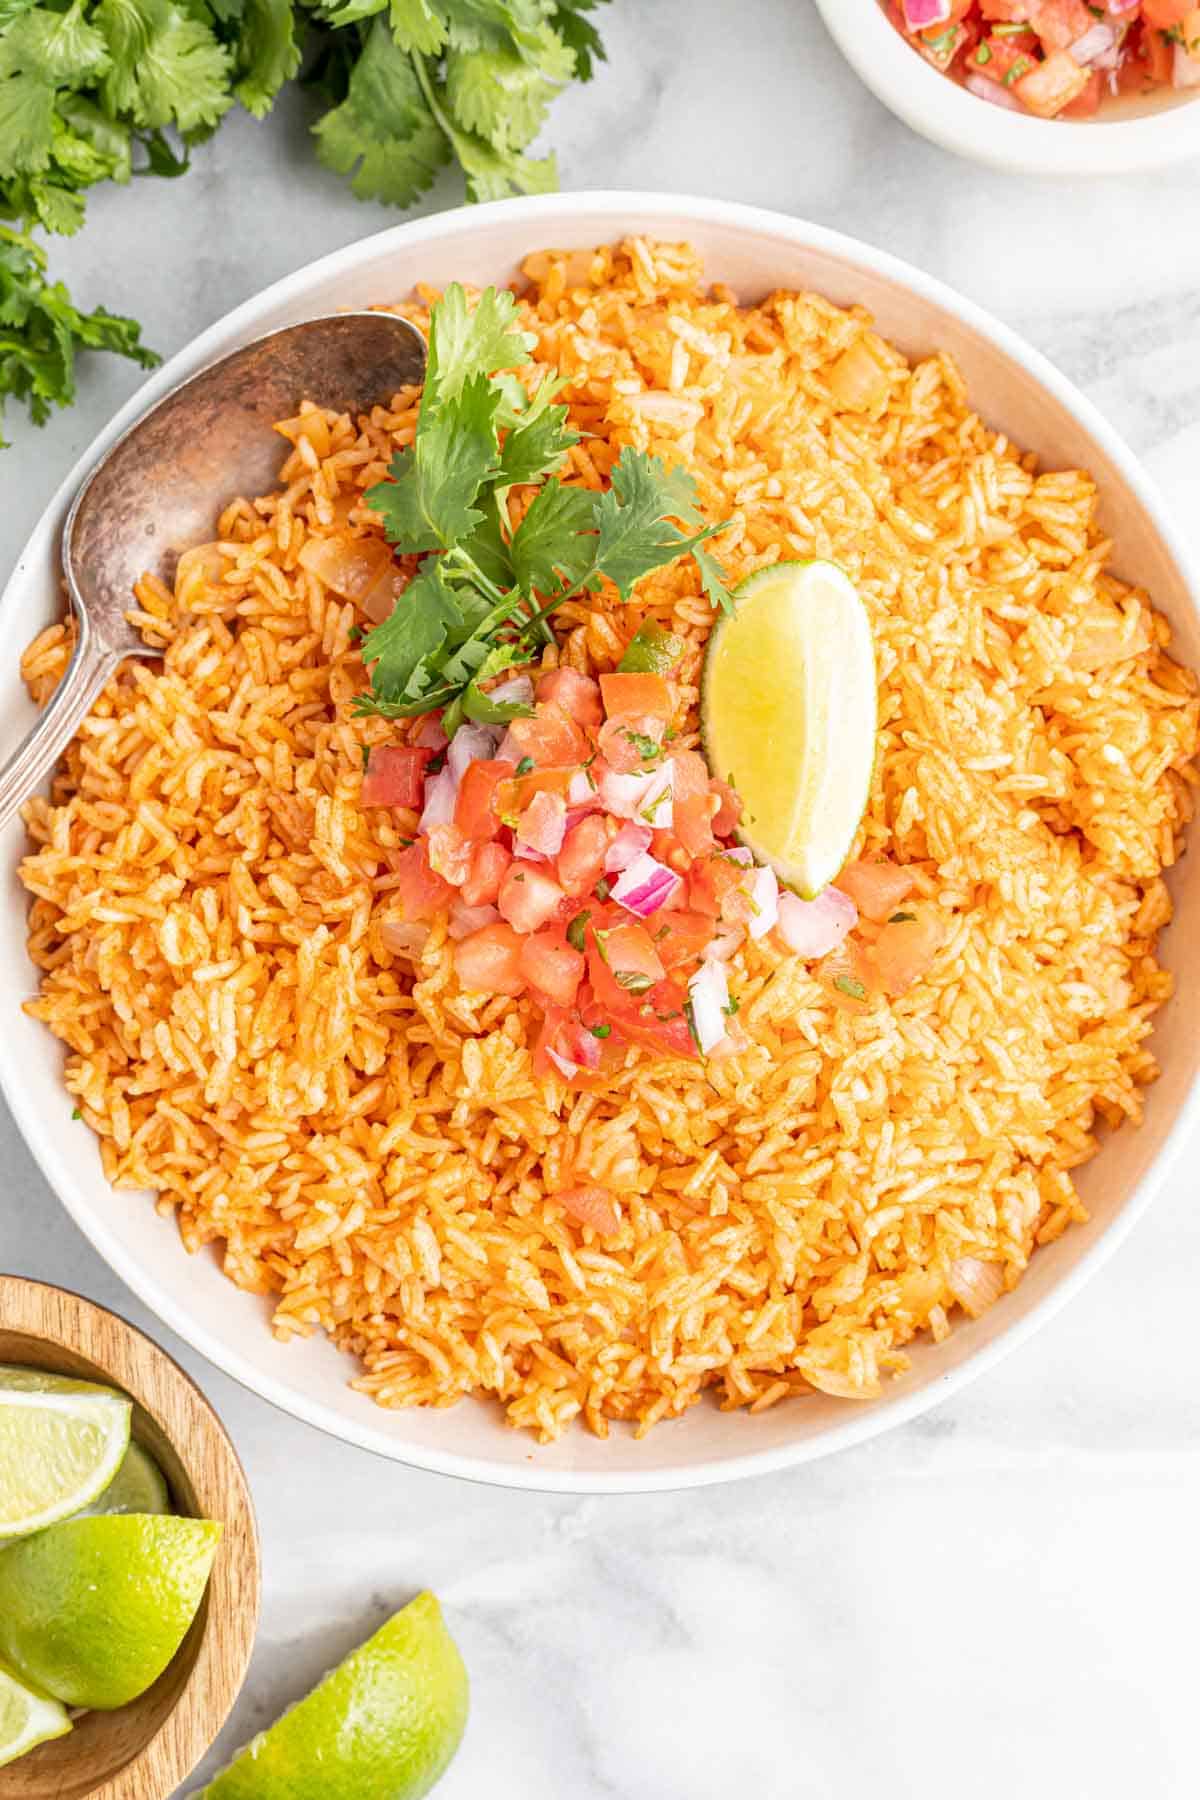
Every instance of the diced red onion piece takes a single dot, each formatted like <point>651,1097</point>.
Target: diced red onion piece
<point>919,15</point>
<point>430,736</point>
<point>566,1069</point>
<point>764,895</point>
<point>630,842</point>
<point>1097,41</point>
<point>991,91</point>
<point>739,854</point>
<point>648,798</point>
<point>517,690</point>
<point>644,886</point>
<point>726,943</point>
<point>581,790</point>
<point>470,743</point>
<point>813,928</point>
<point>1186,70</point>
<point>404,937</point>
<point>584,1046</point>
<point>466,919</point>
<point>441,791</point>
<point>526,852</point>
<point>708,992</point>
<point>508,750</point>
<point>1117,9</point>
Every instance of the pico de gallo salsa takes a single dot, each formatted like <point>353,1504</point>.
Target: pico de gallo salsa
<point>583,860</point>
<point>1056,58</point>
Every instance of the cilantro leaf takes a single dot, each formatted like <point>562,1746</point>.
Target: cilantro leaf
<point>486,545</point>
<point>579,35</point>
<point>26,123</point>
<point>399,651</point>
<point>56,47</point>
<point>554,545</point>
<point>167,66</point>
<point>417,25</point>
<point>383,130</point>
<point>493,174</point>
<point>712,579</point>
<point>268,54</point>
<point>503,95</point>
<point>536,447</point>
<point>465,342</point>
<point>429,501</point>
<point>634,517</point>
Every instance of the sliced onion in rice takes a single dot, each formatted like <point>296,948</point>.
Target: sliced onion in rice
<point>466,919</point>
<point>976,1285</point>
<point>708,991</point>
<point>517,690</point>
<point>470,743</point>
<point>441,792</point>
<point>812,928</point>
<point>764,902</point>
<point>630,843</point>
<point>404,937</point>
<point>644,886</point>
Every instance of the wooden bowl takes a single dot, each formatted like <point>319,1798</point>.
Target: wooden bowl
<point>146,1749</point>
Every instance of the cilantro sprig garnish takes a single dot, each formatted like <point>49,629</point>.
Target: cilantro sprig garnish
<point>479,602</point>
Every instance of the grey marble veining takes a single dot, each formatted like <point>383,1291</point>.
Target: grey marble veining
<point>999,1598</point>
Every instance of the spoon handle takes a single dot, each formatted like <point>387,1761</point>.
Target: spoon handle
<point>90,668</point>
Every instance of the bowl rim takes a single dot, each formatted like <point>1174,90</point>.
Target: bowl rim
<point>610,210</point>
<point>948,115</point>
<point>217,1676</point>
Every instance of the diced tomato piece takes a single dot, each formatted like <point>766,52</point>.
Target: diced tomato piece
<point>1158,54</point>
<point>876,888</point>
<point>631,741</point>
<point>656,1020</point>
<point>693,805</point>
<point>633,696</point>
<point>849,976</point>
<point>581,859</point>
<point>419,892</point>
<point>489,961</point>
<point>575,694</point>
<point>542,825</point>
<point>395,775</point>
<point>622,962</point>
<point>514,795</point>
<point>682,938</point>
<point>905,948</point>
<point>571,1040</point>
<point>449,854</point>
<point>999,56</point>
<point>1088,103</point>
<point>550,965</point>
<point>1165,13</point>
<point>729,810</point>
<point>550,738</point>
<point>475,808</point>
<point>1059,23</point>
<point>592,1206</point>
<point>1051,85</point>
<point>489,863</point>
<point>528,897</point>
<point>711,882</point>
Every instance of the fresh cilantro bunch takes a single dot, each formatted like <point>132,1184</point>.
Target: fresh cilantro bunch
<point>106,90</point>
<point>479,601</point>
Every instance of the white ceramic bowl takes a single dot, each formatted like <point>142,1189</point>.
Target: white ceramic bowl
<point>1149,133</point>
<point>1016,390</point>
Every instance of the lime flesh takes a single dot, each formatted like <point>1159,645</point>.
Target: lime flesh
<point>93,1610</point>
<point>788,716</point>
<point>26,1719</point>
<point>383,1725</point>
<point>58,1452</point>
<point>137,1487</point>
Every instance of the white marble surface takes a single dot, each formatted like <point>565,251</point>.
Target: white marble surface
<point>1002,1596</point>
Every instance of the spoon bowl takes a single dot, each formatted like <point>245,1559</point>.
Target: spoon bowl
<point>159,487</point>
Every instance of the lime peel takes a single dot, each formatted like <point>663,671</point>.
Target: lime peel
<point>26,1719</point>
<point>58,1452</point>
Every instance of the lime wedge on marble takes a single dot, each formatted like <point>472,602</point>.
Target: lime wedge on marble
<point>93,1610</point>
<point>58,1451</point>
<point>26,1719</point>
<point>788,716</point>
<point>383,1725</point>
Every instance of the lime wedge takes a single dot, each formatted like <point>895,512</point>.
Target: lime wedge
<point>20,1378</point>
<point>384,1724</point>
<point>137,1487</point>
<point>26,1719</point>
<point>58,1451</point>
<point>93,1610</point>
<point>788,716</point>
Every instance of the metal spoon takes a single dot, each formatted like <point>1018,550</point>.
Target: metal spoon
<point>160,487</point>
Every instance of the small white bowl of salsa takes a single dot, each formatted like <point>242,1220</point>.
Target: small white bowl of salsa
<point>1040,87</point>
